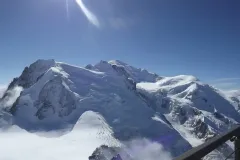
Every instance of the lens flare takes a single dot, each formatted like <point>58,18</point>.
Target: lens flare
<point>90,16</point>
<point>67,8</point>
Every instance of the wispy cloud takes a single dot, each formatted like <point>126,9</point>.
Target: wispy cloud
<point>90,16</point>
<point>226,83</point>
<point>11,97</point>
<point>120,23</point>
<point>2,89</point>
<point>233,92</point>
<point>226,79</point>
<point>145,149</point>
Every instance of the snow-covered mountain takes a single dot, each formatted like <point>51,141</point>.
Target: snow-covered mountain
<point>123,102</point>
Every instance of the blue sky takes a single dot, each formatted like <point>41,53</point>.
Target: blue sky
<point>169,37</point>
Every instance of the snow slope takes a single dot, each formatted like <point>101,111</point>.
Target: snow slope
<point>234,98</point>
<point>125,102</point>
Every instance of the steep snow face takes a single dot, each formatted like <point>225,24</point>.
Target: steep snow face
<point>190,90</point>
<point>98,127</point>
<point>169,85</point>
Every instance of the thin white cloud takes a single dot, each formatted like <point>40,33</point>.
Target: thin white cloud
<point>90,16</point>
<point>117,23</point>
<point>121,22</point>
<point>233,92</point>
<point>2,89</point>
<point>13,94</point>
<point>226,79</point>
<point>144,149</point>
<point>226,83</point>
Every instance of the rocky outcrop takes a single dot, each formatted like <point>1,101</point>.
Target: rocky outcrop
<point>55,98</point>
<point>105,153</point>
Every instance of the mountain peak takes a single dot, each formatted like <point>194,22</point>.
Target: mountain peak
<point>41,63</point>
<point>44,61</point>
<point>117,62</point>
<point>32,73</point>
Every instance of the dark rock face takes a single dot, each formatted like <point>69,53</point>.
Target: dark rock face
<point>13,109</point>
<point>105,153</point>
<point>32,74</point>
<point>13,83</point>
<point>54,98</point>
<point>120,70</point>
<point>29,76</point>
<point>201,130</point>
<point>89,66</point>
<point>117,157</point>
<point>235,99</point>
